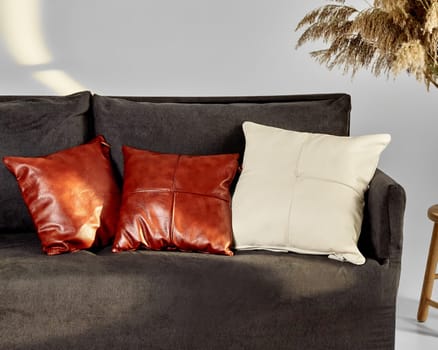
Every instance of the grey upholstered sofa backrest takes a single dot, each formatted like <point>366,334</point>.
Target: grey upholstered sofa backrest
<point>211,125</point>
<point>40,125</point>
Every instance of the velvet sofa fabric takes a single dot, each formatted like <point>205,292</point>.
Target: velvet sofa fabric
<point>173,300</point>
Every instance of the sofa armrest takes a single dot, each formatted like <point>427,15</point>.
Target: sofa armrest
<point>382,228</point>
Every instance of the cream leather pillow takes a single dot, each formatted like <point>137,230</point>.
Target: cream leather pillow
<point>303,192</point>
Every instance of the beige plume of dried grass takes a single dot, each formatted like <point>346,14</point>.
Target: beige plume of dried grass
<point>387,37</point>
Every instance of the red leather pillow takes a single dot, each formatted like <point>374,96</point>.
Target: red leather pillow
<point>71,195</point>
<point>176,202</point>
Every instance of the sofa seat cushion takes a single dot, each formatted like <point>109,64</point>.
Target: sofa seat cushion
<point>164,300</point>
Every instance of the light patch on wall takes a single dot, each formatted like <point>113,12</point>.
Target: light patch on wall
<point>21,29</point>
<point>59,81</point>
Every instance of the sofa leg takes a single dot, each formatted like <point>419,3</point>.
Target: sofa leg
<point>430,274</point>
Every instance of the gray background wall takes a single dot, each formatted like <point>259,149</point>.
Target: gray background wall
<point>226,47</point>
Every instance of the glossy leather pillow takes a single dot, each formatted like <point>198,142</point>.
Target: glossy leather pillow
<point>71,195</point>
<point>176,202</point>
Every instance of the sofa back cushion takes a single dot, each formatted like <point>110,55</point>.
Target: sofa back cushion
<point>36,126</point>
<point>211,125</point>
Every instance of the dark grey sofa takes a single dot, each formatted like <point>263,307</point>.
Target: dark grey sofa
<point>173,300</point>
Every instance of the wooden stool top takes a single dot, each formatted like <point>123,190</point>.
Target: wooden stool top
<point>432,213</point>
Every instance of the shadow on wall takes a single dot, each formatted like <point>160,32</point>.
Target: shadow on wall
<point>21,31</point>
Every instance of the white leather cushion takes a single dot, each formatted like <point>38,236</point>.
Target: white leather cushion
<point>303,192</point>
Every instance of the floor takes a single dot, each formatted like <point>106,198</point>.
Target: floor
<point>412,335</point>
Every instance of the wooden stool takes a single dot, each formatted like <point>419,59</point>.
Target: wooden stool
<point>430,274</point>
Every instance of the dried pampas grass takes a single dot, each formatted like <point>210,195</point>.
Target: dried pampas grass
<point>388,37</point>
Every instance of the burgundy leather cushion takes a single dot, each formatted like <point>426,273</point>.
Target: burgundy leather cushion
<point>71,195</point>
<point>176,202</point>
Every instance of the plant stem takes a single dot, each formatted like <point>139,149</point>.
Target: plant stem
<point>431,80</point>
<point>425,4</point>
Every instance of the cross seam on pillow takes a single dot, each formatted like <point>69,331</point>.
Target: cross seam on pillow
<point>295,175</point>
<point>164,190</point>
<point>172,214</point>
<point>317,178</point>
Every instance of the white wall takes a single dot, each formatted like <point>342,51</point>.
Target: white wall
<point>223,47</point>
